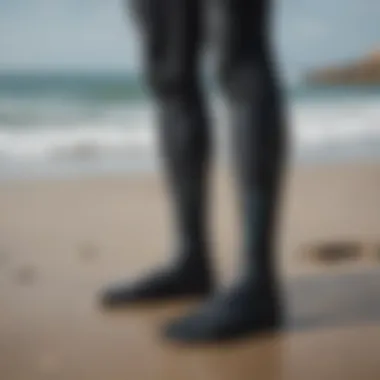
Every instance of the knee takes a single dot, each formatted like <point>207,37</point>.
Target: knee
<point>166,82</point>
<point>235,79</point>
<point>224,72</point>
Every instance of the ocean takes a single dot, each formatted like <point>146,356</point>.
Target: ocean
<point>71,124</point>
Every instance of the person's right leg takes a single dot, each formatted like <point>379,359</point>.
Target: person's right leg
<point>171,41</point>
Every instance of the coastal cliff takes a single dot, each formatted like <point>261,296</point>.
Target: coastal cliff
<point>364,71</point>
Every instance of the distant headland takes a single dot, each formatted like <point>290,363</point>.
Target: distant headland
<point>365,71</point>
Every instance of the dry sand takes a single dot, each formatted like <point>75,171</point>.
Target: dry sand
<point>61,240</point>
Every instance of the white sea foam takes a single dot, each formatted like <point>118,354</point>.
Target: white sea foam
<point>315,126</point>
<point>63,142</point>
<point>115,130</point>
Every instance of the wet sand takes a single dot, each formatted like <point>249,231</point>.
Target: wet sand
<point>61,240</point>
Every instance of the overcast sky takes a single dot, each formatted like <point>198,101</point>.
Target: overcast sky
<point>98,35</point>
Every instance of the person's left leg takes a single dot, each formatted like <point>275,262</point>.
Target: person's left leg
<point>258,136</point>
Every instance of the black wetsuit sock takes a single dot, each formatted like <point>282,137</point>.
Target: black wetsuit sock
<point>177,280</point>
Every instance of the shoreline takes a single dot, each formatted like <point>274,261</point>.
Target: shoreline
<point>92,169</point>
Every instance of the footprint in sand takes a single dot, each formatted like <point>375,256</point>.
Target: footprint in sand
<point>335,252</point>
<point>375,253</point>
<point>88,251</point>
<point>26,275</point>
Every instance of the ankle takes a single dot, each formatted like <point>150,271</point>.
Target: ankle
<point>192,266</point>
<point>259,284</point>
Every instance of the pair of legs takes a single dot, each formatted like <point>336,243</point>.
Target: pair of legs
<point>172,37</point>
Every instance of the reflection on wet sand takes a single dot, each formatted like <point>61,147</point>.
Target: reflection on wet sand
<point>332,332</point>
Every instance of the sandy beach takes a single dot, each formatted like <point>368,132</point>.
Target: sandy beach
<point>61,240</point>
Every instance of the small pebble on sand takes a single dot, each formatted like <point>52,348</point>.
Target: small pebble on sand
<point>26,275</point>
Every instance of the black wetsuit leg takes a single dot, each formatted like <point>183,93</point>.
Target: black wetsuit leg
<point>171,35</point>
<point>257,132</point>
